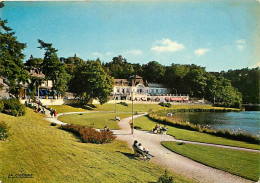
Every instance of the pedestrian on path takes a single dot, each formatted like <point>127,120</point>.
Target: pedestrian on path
<point>55,113</point>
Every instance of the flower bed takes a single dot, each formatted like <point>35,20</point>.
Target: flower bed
<point>89,134</point>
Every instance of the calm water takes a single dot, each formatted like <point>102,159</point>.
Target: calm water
<point>248,121</point>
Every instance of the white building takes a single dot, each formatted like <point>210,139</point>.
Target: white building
<point>144,91</point>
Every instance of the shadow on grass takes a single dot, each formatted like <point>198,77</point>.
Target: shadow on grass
<point>129,155</point>
<point>82,106</point>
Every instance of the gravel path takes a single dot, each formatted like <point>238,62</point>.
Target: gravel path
<point>168,159</point>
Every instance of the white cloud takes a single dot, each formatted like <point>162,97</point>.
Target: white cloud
<point>240,47</point>
<point>240,44</point>
<point>97,54</point>
<point>134,52</point>
<point>201,51</point>
<point>109,53</point>
<point>241,41</point>
<point>166,45</point>
<point>256,65</point>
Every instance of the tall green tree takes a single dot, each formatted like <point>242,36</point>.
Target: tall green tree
<point>153,72</point>
<point>91,82</point>
<point>11,57</point>
<point>53,68</point>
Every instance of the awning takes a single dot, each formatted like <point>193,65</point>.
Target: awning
<point>41,92</point>
<point>167,98</point>
<point>46,92</point>
<point>36,92</point>
<point>176,99</point>
<point>55,92</point>
<point>29,90</point>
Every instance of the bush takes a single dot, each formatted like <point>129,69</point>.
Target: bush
<point>163,104</point>
<point>165,178</point>
<point>53,124</point>
<point>13,107</point>
<point>89,134</point>
<point>123,103</point>
<point>1,106</point>
<point>3,130</point>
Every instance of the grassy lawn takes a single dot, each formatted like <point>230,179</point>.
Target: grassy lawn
<point>53,155</point>
<point>66,108</point>
<point>96,120</point>
<point>146,124</point>
<point>244,164</point>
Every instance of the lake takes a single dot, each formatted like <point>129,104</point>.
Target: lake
<point>248,121</point>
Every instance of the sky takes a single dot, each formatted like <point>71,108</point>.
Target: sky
<point>218,35</point>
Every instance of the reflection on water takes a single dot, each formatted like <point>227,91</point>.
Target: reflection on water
<point>247,121</point>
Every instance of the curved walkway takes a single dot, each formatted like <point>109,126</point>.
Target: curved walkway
<point>168,159</point>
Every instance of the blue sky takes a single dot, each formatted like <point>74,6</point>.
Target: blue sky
<point>218,35</point>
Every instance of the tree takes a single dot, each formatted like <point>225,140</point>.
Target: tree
<point>11,57</point>
<point>34,63</point>
<point>153,72</point>
<point>53,68</point>
<point>91,82</point>
<point>71,63</point>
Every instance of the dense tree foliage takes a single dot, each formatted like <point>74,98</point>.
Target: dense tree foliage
<point>246,81</point>
<point>119,68</point>
<point>71,63</point>
<point>153,72</point>
<point>11,57</point>
<point>91,82</point>
<point>53,68</point>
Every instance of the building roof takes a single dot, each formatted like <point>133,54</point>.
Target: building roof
<point>121,82</point>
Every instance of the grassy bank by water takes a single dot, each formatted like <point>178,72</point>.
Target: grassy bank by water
<point>241,163</point>
<point>96,120</point>
<point>53,155</point>
<point>147,124</point>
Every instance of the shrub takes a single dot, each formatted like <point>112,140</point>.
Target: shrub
<point>3,130</point>
<point>165,178</point>
<point>163,104</point>
<point>89,134</point>
<point>13,107</point>
<point>123,103</point>
<point>1,105</point>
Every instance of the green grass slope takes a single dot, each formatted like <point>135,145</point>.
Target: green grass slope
<point>53,155</point>
<point>242,163</point>
<point>96,120</point>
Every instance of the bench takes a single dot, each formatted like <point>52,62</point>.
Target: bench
<point>138,152</point>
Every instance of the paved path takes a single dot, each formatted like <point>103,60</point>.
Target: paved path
<point>168,159</point>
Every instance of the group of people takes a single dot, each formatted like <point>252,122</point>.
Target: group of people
<point>140,150</point>
<point>159,129</point>
<point>117,118</point>
<point>53,113</point>
<point>106,129</point>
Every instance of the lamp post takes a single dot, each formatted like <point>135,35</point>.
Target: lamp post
<point>115,101</point>
<point>175,90</point>
<point>132,124</point>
